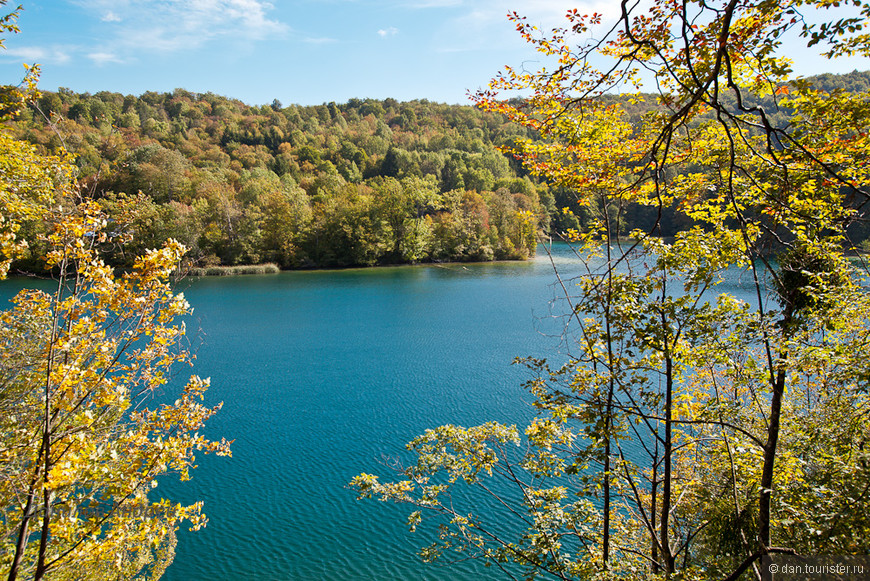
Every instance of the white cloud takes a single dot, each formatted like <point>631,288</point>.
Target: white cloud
<point>391,31</point>
<point>169,26</point>
<point>39,55</point>
<point>177,25</point>
<point>28,53</point>
<point>102,58</point>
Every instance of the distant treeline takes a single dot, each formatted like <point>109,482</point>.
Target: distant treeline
<point>360,183</point>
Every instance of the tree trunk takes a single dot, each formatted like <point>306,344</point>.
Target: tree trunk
<point>27,514</point>
<point>667,557</point>
<point>766,492</point>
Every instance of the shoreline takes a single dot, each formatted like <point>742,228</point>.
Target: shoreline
<point>272,268</point>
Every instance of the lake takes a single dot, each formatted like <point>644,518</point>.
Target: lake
<point>324,373</point>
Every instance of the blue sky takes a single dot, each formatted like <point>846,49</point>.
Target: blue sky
<point>298,51</point>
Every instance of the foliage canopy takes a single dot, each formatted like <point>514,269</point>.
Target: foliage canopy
<point>83,436</point>
<point>359,183</point>
<point>340,184</point>
<point>693,432</point>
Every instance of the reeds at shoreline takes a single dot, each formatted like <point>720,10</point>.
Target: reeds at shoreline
<point>268,268</point>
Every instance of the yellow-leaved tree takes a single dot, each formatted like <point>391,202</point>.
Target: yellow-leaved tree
<point>82,436</point>
<point>699,430</point>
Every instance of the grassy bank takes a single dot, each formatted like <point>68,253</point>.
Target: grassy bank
<point>268,268</point>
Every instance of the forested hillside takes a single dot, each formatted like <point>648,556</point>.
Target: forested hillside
<point>360,183</point>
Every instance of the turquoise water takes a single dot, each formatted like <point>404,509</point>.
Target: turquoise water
<point>324,373</point>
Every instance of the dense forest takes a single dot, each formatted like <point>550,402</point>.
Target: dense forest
<point>360,183</point>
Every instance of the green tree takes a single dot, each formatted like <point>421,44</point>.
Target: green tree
<point>159,172</point>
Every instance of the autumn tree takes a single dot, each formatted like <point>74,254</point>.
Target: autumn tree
<point>208,166</point>
<point>84,429</point>
<point>693,431</point>
<point>84,438</point>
